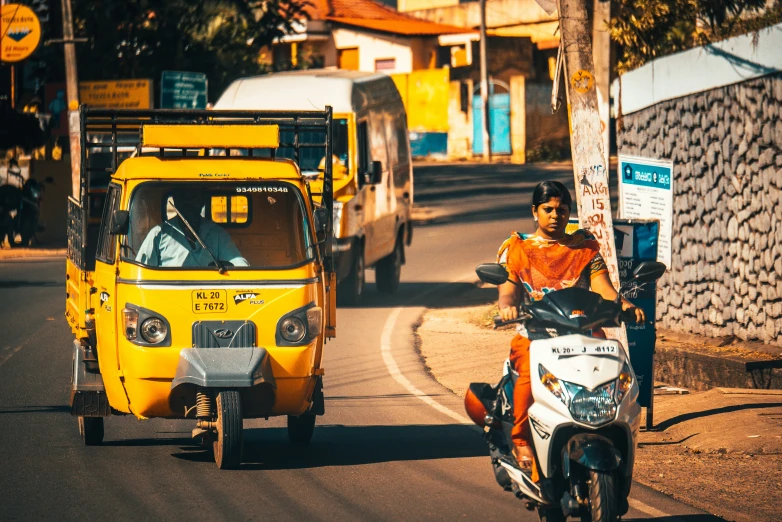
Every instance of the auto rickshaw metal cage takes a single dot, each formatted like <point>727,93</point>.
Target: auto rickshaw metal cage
<point>115,135</point>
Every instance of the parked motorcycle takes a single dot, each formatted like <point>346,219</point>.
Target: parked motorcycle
<point>20,209</point>
<point>584,420</point>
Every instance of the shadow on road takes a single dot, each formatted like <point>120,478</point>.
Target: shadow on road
<point>27,284</point>
<point>678,518</point>
<point>435,295</point>
<point>716,411</point>
<point>36,409</point>
<point>336,445</point>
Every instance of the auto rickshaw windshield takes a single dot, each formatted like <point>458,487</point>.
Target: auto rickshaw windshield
<point>259,225</point>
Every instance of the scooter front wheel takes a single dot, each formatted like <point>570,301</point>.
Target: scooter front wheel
<point>227,445</point>
<point>603,496</point>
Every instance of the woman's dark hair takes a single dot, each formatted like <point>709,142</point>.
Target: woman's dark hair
<point>551,189</point>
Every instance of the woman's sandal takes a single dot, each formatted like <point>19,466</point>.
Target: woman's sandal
<point>524,456</point>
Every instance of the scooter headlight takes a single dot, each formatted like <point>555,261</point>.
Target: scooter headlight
<point>154,330</point>
<point>624,383</point>
<point>593,407</point>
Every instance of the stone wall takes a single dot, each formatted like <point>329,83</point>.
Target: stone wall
<point>726,145</point>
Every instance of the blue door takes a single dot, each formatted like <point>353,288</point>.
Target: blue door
<point>499,124</point>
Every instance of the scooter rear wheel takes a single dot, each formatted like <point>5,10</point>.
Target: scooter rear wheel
<point>603,498</point>
<point>227,445</point>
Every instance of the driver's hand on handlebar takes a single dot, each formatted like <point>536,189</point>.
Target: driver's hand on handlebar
<point>509,313</point>
<point>640,316</point>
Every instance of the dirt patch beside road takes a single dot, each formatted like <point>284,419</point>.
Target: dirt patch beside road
<point>719,450</point>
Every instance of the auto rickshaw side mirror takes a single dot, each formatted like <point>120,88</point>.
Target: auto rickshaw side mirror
<point>120,223</point>
<point>321,216</point>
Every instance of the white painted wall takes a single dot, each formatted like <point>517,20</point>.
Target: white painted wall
<point>724,63</point>
<point>371,48</point>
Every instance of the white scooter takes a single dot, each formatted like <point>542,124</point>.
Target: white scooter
<point>584,420</point>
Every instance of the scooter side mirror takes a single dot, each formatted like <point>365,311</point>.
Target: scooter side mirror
<point>120,223</point>
<point>649,271</point>
<point>492,273</point>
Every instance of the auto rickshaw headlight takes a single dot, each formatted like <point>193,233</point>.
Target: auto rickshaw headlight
<point>293,329</point>
<point>154,330</point>
<point>131,323</point>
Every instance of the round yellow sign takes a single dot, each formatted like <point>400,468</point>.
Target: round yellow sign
<point>21,33</point>
<point>582,81</point>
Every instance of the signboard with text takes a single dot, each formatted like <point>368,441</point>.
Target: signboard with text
<point>20,32</point>
<point>116,94</point>
<point>183,90</point>
<point>646,192</point>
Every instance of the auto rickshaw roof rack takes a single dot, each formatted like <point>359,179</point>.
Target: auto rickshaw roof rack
<point>121,132</point>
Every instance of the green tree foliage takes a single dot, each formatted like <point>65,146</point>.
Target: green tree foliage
<point>647,29</point>
<point>141,38</point>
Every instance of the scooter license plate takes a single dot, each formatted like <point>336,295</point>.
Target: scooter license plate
<point>584,350</point>
<point>209,301</point>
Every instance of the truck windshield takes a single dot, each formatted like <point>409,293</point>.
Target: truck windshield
<point>258,225</point>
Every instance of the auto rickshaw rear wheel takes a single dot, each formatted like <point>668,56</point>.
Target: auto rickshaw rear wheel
<point>91,430</point>
<point>227,445</point>
<point>301,428</point>
<point>388,270</point>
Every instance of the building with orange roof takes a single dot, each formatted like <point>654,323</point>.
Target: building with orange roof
<point>365,35</point>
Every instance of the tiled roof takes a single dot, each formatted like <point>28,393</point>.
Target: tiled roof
<point>375,16</point>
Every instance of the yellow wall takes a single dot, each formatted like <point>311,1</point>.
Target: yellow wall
<point>425,95</point>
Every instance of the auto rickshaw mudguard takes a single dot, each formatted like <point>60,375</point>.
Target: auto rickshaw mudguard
<point>223,368</point>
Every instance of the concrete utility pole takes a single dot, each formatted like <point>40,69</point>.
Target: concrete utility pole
<point>72,94</point>
<point>590,165</point>
<point>484,87</point>
<point>601,49</point>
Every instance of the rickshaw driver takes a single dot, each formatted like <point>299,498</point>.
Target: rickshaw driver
<point>173,244</point>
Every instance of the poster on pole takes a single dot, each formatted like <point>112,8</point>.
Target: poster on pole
<point>646,192</point>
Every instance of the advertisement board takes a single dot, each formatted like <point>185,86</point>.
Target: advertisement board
<point>21,32</point>
<point>646,192</point>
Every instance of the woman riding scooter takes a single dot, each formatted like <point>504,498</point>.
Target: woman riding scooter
<point>537,264</point>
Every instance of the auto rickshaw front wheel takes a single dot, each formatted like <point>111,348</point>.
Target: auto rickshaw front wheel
<point>227,445</point>
<point>301,428</point>
<point>91,430</point>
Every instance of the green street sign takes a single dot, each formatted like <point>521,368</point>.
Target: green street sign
<point>183,90</point>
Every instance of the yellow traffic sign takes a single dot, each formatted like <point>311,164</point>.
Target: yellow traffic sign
<point>21,33</point>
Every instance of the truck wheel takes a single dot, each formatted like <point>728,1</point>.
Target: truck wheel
<point>389,270</point>
<point>91,430</point>
<point>301,428</point>
<point>603,501</point>
<point>350,290</point>
<point>227,445</point>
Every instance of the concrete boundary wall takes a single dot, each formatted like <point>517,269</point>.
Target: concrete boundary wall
<point>702,69</point>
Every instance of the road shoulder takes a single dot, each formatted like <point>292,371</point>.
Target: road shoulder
<point>718,449</point>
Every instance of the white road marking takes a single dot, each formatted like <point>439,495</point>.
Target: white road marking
<point>5,357</point>
<point>649,510</point>
<point>393,369</point>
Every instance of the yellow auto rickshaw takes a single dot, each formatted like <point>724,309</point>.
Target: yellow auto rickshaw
<point>200,277</point>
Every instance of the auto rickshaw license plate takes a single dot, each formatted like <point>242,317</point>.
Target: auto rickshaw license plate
<point>209,301</point>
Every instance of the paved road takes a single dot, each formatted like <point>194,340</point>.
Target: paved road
<point>393,444</point>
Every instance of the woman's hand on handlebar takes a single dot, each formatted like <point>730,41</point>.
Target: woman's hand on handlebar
<point>509,313</point>
<point>630,313</point>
